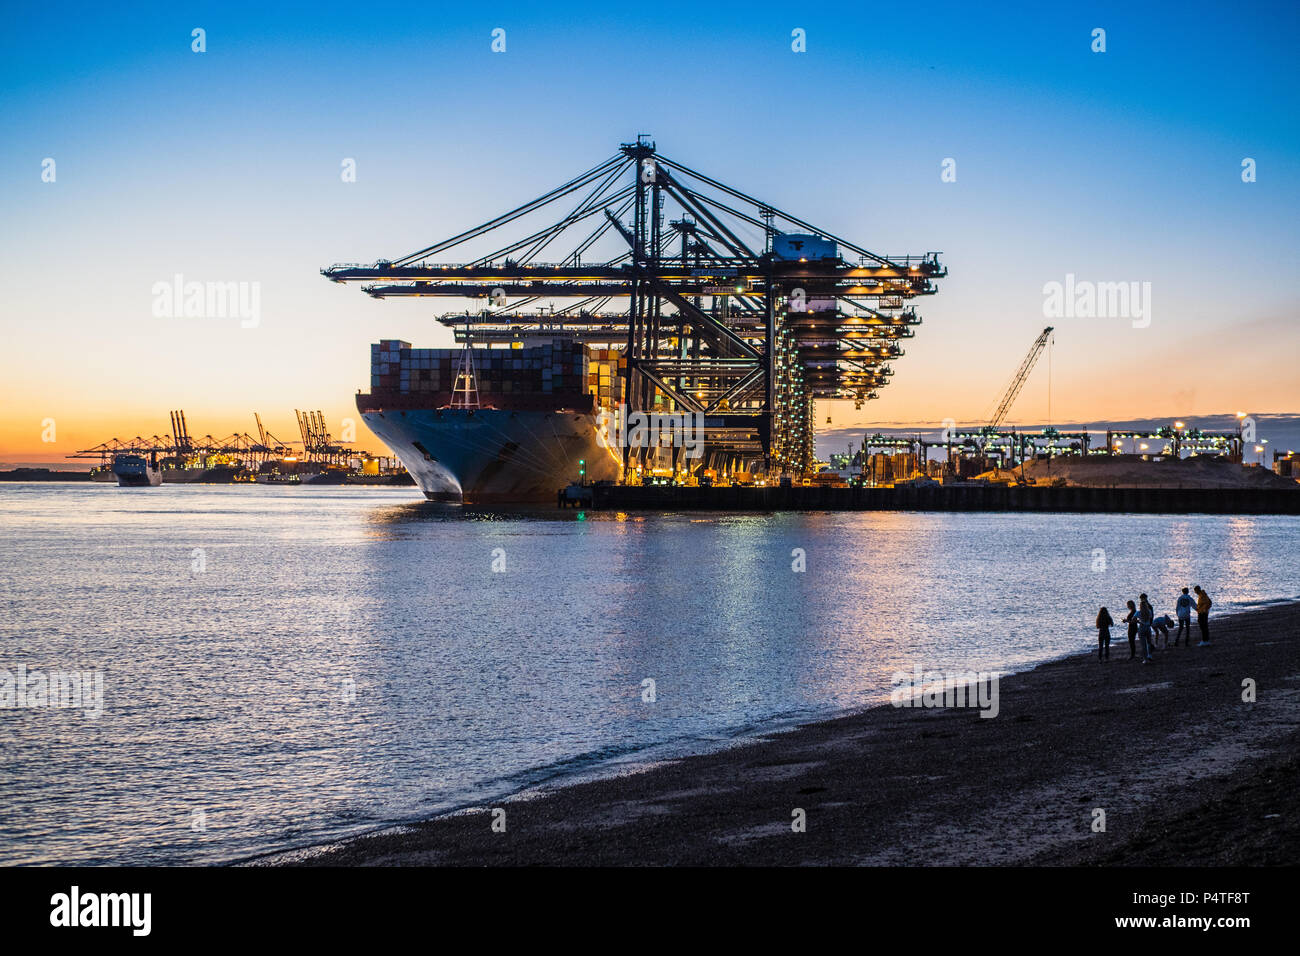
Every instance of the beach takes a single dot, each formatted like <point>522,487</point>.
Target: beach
<point>1085,763</point>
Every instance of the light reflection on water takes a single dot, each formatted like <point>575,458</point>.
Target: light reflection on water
<point>224,689</point>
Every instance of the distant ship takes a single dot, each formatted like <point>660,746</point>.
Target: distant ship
<point>178,474</point>
<point>189,474</point>
<point>392,478</point>
<point>136,471</point>
<point>330,476</point>
<point>293,472</point>
<point>278,478</point>
<point>485,425</point>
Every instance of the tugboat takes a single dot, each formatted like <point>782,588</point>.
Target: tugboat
<point>135,471</point>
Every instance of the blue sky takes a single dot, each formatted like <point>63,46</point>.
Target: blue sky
<point>1117,166</point>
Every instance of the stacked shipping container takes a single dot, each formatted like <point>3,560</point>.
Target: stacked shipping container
<point>604,376</point>
<point>559,366</point>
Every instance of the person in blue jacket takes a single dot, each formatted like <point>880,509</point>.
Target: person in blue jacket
<point>1183,611</point>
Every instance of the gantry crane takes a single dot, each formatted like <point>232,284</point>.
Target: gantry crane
<point>1018,380</point>
<point>733,308</point>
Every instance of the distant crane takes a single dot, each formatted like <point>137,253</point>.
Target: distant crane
<point>1018,381</point>
<point>315,439</point>
<point>181,434</point>
<point>317,443</point>
<point>270,445</point>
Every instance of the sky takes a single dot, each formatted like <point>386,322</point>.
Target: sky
<point>1115,166</point>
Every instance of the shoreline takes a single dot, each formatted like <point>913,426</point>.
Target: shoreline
<point>1169,751</point>
<point>954,496</point>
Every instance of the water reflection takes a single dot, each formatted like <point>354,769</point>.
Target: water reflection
<point>225,690</point>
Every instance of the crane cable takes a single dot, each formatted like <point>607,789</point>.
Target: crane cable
<point>1050,343</point>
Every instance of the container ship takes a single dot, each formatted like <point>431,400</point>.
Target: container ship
<point>485,425</point>
<point>136,471</point>
<point>713,304</point>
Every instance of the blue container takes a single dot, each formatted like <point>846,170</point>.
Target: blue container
<point>797,246</point>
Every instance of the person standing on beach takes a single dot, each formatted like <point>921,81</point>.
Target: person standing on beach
<point>1104,621</point>
<point>1132,622</point>
<point>1184,611</point>
<point>1203,603</point>
<point>1145,615</point>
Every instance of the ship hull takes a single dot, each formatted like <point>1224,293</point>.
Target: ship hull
<point>490,455</point>
<point>134,471</point>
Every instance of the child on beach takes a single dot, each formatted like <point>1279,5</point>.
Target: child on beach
<point>1104,621</point>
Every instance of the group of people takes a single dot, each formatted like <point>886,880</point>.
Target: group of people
<point>1143,623</point>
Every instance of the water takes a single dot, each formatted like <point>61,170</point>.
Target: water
<point>227,730</point>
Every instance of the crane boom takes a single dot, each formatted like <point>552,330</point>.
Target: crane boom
<point>1018,381</point>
